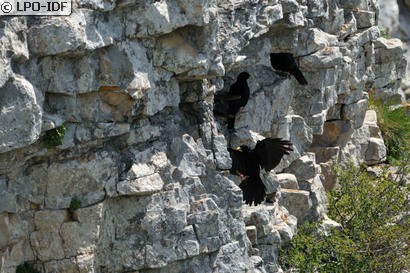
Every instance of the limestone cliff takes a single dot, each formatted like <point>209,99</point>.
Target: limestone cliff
<point>133,83</point>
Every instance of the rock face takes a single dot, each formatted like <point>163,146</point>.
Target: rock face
<point>133,83</point>
<point>404,35</point>
<point>395,20</point>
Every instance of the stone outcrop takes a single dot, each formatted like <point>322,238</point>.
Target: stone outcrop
<point>404,34</point>
<point>133,84</point>
<point>394,20</point>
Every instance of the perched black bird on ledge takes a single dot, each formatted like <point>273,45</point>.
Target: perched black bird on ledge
<point>286,63</point>
<point>246,163</point>
<point>237,98</point>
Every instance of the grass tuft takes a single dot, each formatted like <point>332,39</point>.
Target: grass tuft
<point>394,123</point>
<point>54,137</point>
<point>75,204</point>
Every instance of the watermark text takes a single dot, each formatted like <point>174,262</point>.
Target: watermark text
<point>39,7</point>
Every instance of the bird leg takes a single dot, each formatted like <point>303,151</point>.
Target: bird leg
<point>242,176</point>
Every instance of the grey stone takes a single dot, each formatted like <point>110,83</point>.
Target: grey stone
<point>223,160</point>
<point>328,172</point>
<point>287,229</point>
<point>335,133</point>
<point>268,235</point>
<point>14,40</point>
<point>327,57</point>
<point>100,32</point>
<point>296,201</point>
<point>63,265</point>
<point>289,6</point>
<point>288,181</point>
<point>328,225</point>
<point>51,121</point>
<point>82,237</point>
<point>370,120</point>
<point>174,46</point>
<point>251,232</point>
<point>365,18</point>
<point>271,182</point>
<point>295,129</point>
<point>319,199</point>
<point>5,71</point>
<point>46,242</point>
<point>236,255</point>
<point>303,168</point>
<point>187,156</point>
<point>6,236</point>
<point>105,5</point>
<point>316,39</point>
<point>163,17</point>
<point>387,49</point>
<point>8,203</point>
<point>350,25</point>
<point>141,186</point>
<point>53,35</point>
<point>257,216</point>
<point>376,152</point>
<point>65,75</point>
<point>388,16</point>
<point>327,158</point>
<point>355,112</point>
<point>21,110</point>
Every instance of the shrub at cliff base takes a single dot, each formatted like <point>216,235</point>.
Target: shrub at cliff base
<point>375,228</point>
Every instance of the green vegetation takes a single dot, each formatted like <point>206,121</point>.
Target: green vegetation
<point>54,137</point>
<point>384,34</point>
<point>394,123</point>
<point>375,228</point>
<point>26,268</point>
<point>75,204</point>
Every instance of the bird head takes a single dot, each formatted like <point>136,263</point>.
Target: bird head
<point>243,149</point>
<point>243,76</point>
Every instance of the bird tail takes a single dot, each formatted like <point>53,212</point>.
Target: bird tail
<point>253,190</point>
<point>231,123</point>
<point>299,76</point>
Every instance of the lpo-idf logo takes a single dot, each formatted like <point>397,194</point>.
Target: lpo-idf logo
<point>39,7</point>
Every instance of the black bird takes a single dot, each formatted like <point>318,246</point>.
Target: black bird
<point>286,63</point>
<point>246,163</point>
<point>238,88</point>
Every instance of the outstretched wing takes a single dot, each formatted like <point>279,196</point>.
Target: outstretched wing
<point>270,152</point>
<point>238,161</point>
<point>253,190</point>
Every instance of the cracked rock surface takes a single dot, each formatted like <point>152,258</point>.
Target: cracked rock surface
<point>133,84</point>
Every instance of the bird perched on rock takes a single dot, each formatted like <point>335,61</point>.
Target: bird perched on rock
<point>246,163</point>
<point>286,63</point>
<point>237,98</point>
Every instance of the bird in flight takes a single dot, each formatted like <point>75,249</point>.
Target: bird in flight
<point>246,163</point>
<point>237,98</point>
<point>286,63</point>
